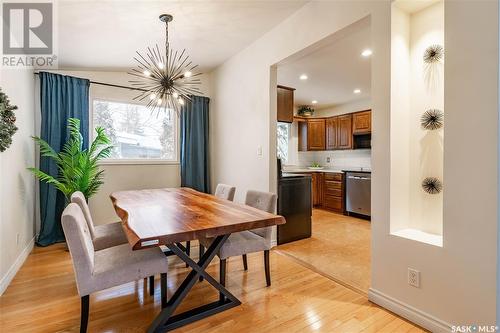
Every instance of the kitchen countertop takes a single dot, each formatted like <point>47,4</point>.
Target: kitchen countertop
<point>328,170</point>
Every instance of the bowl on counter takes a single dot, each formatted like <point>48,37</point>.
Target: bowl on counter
<point>315,168</point>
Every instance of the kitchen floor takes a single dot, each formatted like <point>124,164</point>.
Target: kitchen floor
<point>339,249</point>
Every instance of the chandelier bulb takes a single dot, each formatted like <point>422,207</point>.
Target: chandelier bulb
<point>175,94</point>
<point>147,73</point>
<point>181,101</point>
<point>161,65</point>
<point>188,74</point>
<point>159,101</point>
<point>152,96</point>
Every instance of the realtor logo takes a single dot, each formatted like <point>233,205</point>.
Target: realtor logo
<point>27,28</point>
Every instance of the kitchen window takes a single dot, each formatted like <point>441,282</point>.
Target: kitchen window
<point>138,135</point>
<point>283,138</point>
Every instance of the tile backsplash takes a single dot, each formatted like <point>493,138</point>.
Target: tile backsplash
<point>360,158</point>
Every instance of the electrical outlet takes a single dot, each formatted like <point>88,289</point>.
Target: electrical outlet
<point>328,160</point>
<point>414,277</point>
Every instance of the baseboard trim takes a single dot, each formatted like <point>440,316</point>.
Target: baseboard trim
<point>11,273</point>
<point>404,310</point>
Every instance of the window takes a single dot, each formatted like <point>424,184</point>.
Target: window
<point>136,132</point>
<point>283,135</point>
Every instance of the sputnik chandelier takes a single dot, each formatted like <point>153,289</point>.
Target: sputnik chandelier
<point>166,80</point>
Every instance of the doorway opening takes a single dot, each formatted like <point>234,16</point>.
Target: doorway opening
<point>324,152</point>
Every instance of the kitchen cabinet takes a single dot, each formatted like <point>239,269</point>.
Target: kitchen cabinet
<point>317,188</point>
<point>344,138</point>
<point>362,122</point>
<point>285,104</point>
<point>339,132</point>
<point>316,134</point>
<point>333,192</point>
<point>331,133</point>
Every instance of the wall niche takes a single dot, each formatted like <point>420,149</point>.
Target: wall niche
<point>417,120</point>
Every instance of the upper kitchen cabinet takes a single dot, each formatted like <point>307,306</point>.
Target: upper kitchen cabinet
<point>285,104</point>
<point>316,134</point>
<point>362,122</point>
<point>332,131</point>
<point>344,140</point>
<point>339,132</point>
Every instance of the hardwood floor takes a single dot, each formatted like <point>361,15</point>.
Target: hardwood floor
<point>339,248</point>
<point>43,298</point>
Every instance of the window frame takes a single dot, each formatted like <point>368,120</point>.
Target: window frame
<point>135,161</point>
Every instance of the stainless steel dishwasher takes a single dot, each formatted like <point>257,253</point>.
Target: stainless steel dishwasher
<point>358,193</point>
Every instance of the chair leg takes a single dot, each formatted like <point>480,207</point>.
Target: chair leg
<point>266,266</point>
<point>163,277</point>
<point>84,316</point>
<point>222,277</point>
<point>202,252</point>
<point>151,285</point>
<point>188,249</point>
<point>245,264</point>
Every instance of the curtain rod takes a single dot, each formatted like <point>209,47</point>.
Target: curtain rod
<point>110,85</point>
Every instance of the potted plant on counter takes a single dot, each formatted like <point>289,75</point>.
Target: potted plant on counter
<point>305,111</point>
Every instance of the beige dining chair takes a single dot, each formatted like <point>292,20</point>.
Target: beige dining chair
<point>106,268</point>
<point>244,242</point>
<point>105,235</point>
<point>226,192</point>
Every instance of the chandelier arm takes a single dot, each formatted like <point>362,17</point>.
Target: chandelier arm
<point>180,67</point>
<point>172,64</point>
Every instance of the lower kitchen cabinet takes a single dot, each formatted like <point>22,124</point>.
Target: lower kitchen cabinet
<point>328,191</point>
<point>317,188</point>
<point>333,192</point>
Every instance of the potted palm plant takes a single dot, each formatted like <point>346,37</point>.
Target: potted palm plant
<point>78,168</point>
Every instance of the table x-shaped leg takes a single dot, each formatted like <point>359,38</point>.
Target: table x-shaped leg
<point>166,321</point>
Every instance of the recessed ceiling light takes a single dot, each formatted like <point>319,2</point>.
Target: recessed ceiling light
<point>356,91</point>
<point>303,77</point>
<point>366,53</point>
<point>315,102</point>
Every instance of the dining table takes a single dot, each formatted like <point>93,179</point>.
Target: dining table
<point>169,216</point>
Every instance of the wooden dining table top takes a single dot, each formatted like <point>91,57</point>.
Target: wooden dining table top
<point>163,216</point>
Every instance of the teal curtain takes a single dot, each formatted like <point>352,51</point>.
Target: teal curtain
<point>195,145</point>
<point>61,97</point>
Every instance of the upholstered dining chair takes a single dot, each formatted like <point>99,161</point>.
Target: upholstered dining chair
<point>105,235</point>
<point>222,191</point>
<point>242,243</point>
<point>106,268</point>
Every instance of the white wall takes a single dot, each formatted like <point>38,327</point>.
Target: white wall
<point>417,153</point>
<point>126,176</point>
<point>458,281</point>
<point>354,106</point>
<point>17,185</point>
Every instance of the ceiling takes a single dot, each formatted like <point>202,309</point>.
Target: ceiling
<point>414,6</point>
<point>333,71</point>
<point>104,35</point>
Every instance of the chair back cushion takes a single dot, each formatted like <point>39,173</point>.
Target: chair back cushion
<point>79,242</point>
<point>78,198</point>
<point>265,201</point>
<point>224,191</point>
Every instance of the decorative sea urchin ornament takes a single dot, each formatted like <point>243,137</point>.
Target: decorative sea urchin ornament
<point>434,54</point>
<point>432,185</point>
<point>432,119</point>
